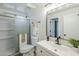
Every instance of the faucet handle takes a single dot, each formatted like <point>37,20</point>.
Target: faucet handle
<point>47,38</point>
<point>59,37</point>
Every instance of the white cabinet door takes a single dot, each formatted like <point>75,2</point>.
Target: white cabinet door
<point>42,52</point>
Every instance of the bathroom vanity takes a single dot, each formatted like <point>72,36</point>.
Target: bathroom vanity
<point>49,48</point>
<point>63,22</point>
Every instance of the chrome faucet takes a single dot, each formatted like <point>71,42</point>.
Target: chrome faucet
<point>57,40</point>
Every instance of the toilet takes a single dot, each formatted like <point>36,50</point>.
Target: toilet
<point>24,48</point>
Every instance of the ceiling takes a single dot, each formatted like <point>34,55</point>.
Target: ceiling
<point>35,5</point>
<point>50,6</point>
<point>46,6</point>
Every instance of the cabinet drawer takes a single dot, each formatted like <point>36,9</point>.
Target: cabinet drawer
<point>42,52</point>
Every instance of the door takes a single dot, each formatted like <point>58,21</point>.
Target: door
<point>54,27</point>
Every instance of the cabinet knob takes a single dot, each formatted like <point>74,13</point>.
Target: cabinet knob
<point>65,34</point>
<point>41,51</point>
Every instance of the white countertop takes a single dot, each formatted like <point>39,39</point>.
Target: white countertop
<point>60,50</point>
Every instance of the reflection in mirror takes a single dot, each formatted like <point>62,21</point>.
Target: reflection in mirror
<point>71,23</point>
<point>64,23</point>
<point>54,27</point>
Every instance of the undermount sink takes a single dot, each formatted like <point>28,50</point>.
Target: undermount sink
<point>63,46</point>
<point>57,47</point>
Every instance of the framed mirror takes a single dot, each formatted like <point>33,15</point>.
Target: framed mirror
<point>64,22</point>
